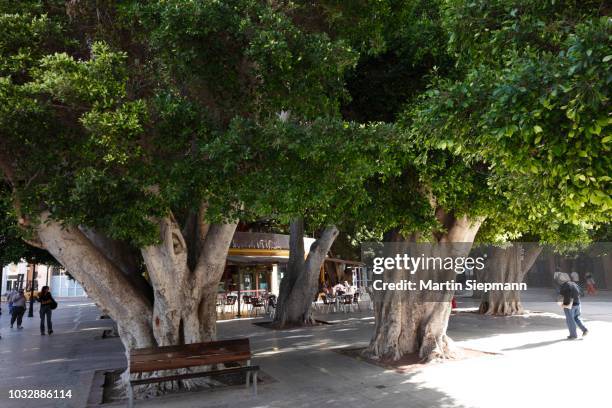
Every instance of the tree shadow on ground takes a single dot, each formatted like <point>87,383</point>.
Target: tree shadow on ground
<point>311,374</point>
<point>534,345</point>
<point>358,388</point>
<point>357,331</point>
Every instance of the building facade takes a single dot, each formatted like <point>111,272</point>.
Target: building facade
<point>256,263</point>
<point>23,275</point>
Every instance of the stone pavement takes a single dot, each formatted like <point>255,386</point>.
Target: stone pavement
<point>536,367</point>
<point>65,360</point>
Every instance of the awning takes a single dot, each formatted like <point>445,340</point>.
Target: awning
<point>256,260</point>
<point>263,260</point>
<point>344,261</point>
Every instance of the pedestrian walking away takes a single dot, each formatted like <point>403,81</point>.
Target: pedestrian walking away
<point>571,305</point>
<point>19,306</point>
<point>9,300</point>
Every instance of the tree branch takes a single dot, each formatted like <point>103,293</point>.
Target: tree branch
<point>296,247</point>
<point>167,257</point>
<point>462,229</point>
<point>320,248</point>
<point>531,254</point>
<point>123,257</point>
<point>194,231</point>
<point>214,252</point>
<point>102,280</point>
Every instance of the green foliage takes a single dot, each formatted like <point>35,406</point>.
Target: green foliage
<point>491,31</point>
<point>75,136</point>
<point>531,112</point>
<point>13,248</point>
<point>242,57</point>
<point>397,67</point>
<point>124,111</point>
<point>316,169</point>
<point>175,103</point>
<point>24,33</point>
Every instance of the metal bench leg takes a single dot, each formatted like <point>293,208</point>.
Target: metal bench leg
<point>255,384</point>
<point>248,374</point>
<point>130,395</point>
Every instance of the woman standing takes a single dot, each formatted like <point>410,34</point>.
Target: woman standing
<point>19,306</point>
<point>46,306</point>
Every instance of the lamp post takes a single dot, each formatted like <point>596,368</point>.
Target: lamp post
<point>31,311</point>
<point>1,272</point>
<point>239,281</point>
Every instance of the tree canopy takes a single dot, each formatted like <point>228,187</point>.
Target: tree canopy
<point>519,129</point>
<point>160,106</point>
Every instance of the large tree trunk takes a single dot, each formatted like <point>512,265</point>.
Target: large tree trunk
<point>409,322</point>
<point>507,265</point>
<point>184,298</point>
<point>102,281</point>
<point>409,326</point>
<point>299,286</point>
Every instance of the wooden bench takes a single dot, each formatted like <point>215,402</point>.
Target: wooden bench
<point>192,355</point>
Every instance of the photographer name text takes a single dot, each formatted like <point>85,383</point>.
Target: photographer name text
<point>450,285</point>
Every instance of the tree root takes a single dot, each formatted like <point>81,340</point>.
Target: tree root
<point>438,348</point>
<point>508,308</point>
<point>390,352</point>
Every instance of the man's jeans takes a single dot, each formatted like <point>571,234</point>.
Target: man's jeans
<point>45,311</point>
<point>572,318</point>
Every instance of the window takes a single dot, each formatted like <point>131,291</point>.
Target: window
<point>360,276</point>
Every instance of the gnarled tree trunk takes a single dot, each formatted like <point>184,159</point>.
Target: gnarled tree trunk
<point>408,322</point>
<point>299,286</point>
<point>183,269</point>
<point>507,265</point>
<point>102,280</point>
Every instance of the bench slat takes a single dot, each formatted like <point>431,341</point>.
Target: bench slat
<point>186,353</point>
<point>210,355</point>
<point>232,343</point>
<point>170,364</point>
<point>194,375</point>
<point>181,353</point>
<point>189,355</point>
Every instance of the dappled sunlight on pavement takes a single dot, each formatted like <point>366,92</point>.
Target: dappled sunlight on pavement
<point>65,360</point>
<point>533,371</point>
<point>533,359</point>
<point>303,367</point>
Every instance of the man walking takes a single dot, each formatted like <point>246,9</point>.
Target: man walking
<point>571,305</point>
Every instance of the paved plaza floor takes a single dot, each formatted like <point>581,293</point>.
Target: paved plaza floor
<point>534,367</point>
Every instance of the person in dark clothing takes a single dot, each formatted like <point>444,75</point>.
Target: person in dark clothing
<point>571,306</point>
<point>46,300</point>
